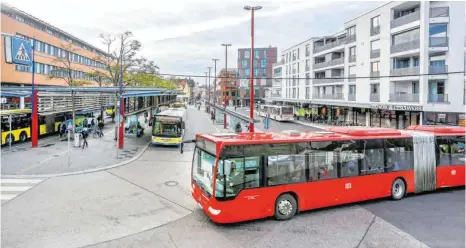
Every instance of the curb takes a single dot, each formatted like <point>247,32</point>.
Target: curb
<point>137,156</point>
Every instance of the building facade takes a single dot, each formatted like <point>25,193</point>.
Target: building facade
<point>398,65</point>
<point>264,58</point>
<point>227,87</point>
<point>51,44</point>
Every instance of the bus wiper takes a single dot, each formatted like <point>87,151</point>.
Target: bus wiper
<point>185,141</point>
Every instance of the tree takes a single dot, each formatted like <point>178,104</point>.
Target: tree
<point>101,78</point>
<point>64,69</point>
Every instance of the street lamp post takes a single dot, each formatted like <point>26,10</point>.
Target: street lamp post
<point>226,73</point>
<point>210,89</point>
<point>207,90</point>
<point>251,87</point>
<point>215,80</point>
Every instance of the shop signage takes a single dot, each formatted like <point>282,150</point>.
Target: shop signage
<point>396,107</point>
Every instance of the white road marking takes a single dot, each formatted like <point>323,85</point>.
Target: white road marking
<point>15,189</point>
<point>7,196</point>
<point>20,181</point>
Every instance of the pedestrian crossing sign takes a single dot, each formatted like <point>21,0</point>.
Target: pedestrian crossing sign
<point>21,51</point>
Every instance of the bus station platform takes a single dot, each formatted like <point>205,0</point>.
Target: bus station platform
<point>51,157</point>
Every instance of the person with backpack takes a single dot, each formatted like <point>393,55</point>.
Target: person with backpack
<point>85,133</point>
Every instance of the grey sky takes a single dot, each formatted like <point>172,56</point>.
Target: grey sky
<point>183,36</point>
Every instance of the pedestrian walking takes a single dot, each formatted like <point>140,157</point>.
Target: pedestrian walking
<point>101,126</point>
<point>266,122</point>
<point>93,126</point>
<point>212,116</point>
<point>85,133</point>
<point>62,128</point>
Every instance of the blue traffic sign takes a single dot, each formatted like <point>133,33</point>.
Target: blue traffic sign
<point>21,51</point>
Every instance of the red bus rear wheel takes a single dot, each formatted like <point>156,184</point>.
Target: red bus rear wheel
<point>285,207</point>
<point>398,189</point>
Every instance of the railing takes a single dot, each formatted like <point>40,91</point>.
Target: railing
<point>352,78</point>
<point>439,12</point>
<point>375,30</point>
<point>329,63</point>
<point>402,97</point>
<point>335,96</point>
<point>375,97</point>
<point>375,75</point>
<point>405,46</point>
<point>407,71</point>
<point>352,58</point>
<point>351,97</point>
<point>437,98</point>
<point>438,69</point>
<point>375,53</point>
<point>329,45</point>
<point>327,80</point>
<point>415,16</point>
<point>438,42</point>
<point>350,39</point>
<point>276,95</point>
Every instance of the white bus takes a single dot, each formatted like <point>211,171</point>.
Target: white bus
<point>279,113</point>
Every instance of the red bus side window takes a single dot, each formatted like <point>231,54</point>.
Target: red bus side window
<point>399,154</point>
<point>450,150</point>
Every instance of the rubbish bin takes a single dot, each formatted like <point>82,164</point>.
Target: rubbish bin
<point>77,139</point>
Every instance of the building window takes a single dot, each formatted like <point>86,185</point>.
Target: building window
<point>375,22</point>
<point>255,63</point>
<point>264,63</point>
<point>265,73</point>
<point>375,45</point>
<point>352,70</point>
<point>405,37</point>
<point>246,72</point>
<point>246,54</point>
<point>308,50</point>
<point>256,72</point>
<point>265,54</point>
<point>352,89</point>
<point>438,30</point>
<point>297,54</point>
<point>257,54</point>
<point>375,66</point>
<point>374,88</point>
<point>351,31</point>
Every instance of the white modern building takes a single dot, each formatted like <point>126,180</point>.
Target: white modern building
<point>397,65</point>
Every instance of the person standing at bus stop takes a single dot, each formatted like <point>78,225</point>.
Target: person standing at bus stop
<point>266,122</point>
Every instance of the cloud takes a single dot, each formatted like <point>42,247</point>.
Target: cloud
<point>183,36</point>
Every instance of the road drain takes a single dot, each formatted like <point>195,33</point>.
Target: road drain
<point>171,183</point>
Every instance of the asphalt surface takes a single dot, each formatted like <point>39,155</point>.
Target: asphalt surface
<point>147,204</point>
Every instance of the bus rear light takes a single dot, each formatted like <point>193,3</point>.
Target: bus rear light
<point>214,211</point>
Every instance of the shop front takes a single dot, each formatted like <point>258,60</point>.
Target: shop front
<point>450,119</point>
<point>394,116</point>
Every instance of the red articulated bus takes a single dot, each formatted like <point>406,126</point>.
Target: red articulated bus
<point>258,175</point>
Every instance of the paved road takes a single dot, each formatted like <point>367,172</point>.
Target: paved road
<point>147,204</point>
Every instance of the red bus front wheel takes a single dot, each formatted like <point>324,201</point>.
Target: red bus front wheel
<point>285,207</point>
<point>398,189</point>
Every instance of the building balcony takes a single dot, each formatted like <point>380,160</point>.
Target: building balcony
<point>350,39</point>
<point>332,62</point>
<point>407,71</point>
<point>438,42</point>
<point>330,45</point>
<point>375,53</point>
<point>308,81</point>
<point>334,96</point>
<point>375,97</point>
<point>441,98</point>
<point>375,75</point>
<point>438,69</point>
<point>375,30</point>
<point>351,97</point>
<point>327,80</point>
<point>276,95</point>
<point>352,59</point>
<point>405,46</point>
<point>403,97</point>
<point>415,16</point>
<point>352,78</point>
<point>439,12</point>
<point>281,62</point>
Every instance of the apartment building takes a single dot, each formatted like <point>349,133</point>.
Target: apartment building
<point>264,58</point>
<point>227,87</point>
<point>49,45</point>
<point>397,65</point>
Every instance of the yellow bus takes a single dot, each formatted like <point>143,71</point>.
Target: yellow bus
<point>168,127</point>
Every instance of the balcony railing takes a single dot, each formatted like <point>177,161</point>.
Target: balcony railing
<point>375,97</point>
<point>415,16</point>
<point>351,97</point>
<point>407,71</point>
<point>327,80</point>
<point>332,62</point>
<point>330,45</point>
<point>352,58</point>
<point>437,98</point>
<point>439,12</point>
<point>375,30</point>
<point>334,96</point>
<point>438,42</point>
<point>402,97</point>
<point>375,53</point>
<point>438,69</point>
<point>350,39</point>
<point>405,46</point>
<point>352,78</point>
<point>375,75</point>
